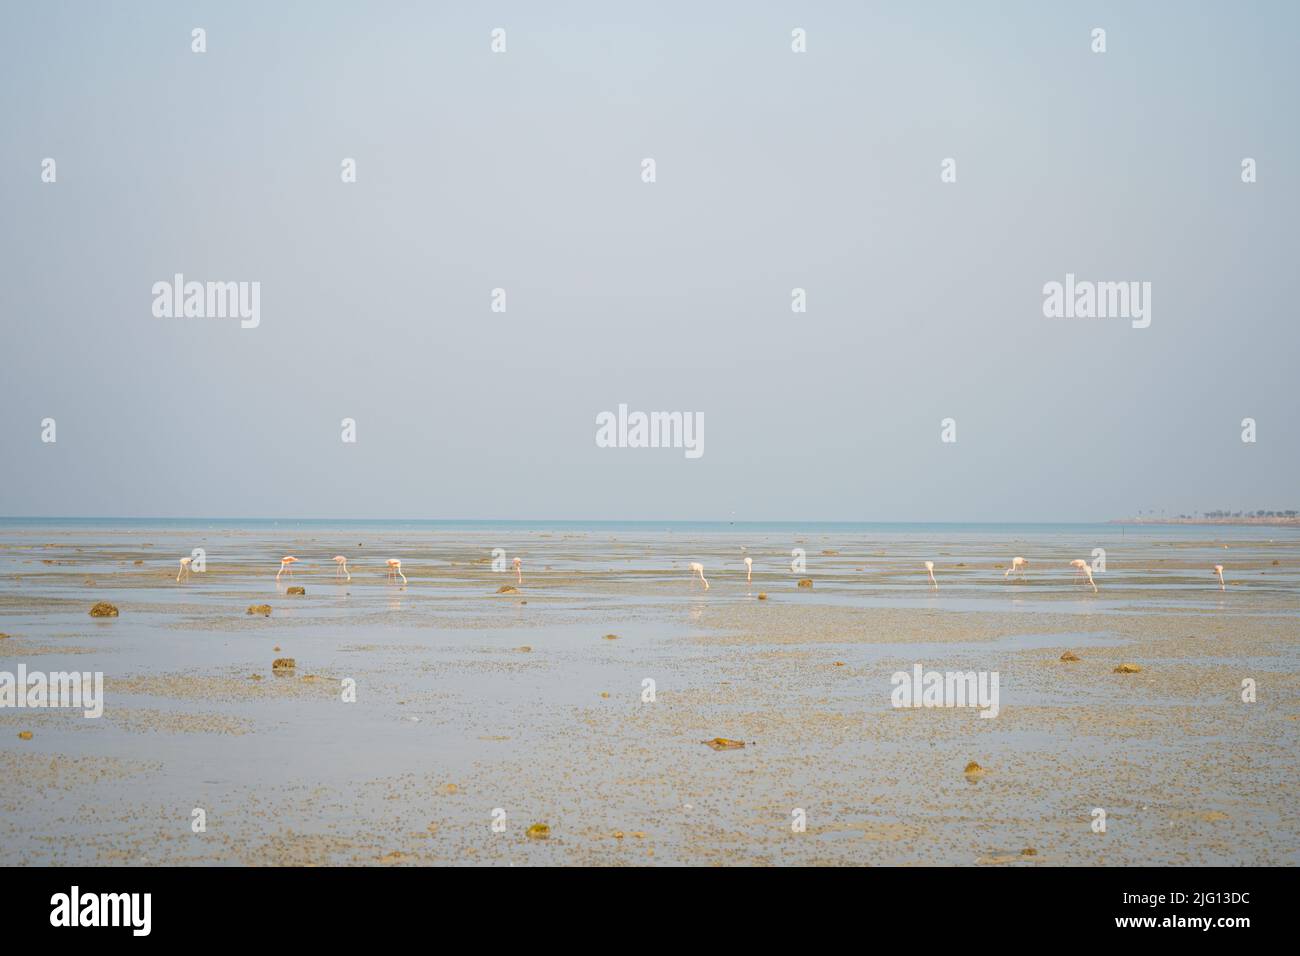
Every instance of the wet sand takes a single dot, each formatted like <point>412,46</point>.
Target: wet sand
<point>469,701</point>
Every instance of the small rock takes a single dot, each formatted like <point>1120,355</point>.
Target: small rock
<point>722,743</point>
<point>1069,656</point>
<point>524,650</point>
<point>296,590</point>
<point>283,664</point>
<point>973,768</point>
<point>507,589</point>
<point>539,831</point>
<point>24,735</point>
<point>611,637</point>
<point>604,694</point>
<point>103,609</point>
<point>805,582</point>
<point>262,609</point>
<point>254,676</point>
<point>762,595</point>
<point>1029,851</point>
<point>451,789</point>
<point>839,663</point>
<point>1127,669</point>
<point>618,834</point>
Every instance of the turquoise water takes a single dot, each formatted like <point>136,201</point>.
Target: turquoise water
<point>888,528</point>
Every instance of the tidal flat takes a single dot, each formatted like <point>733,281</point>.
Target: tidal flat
<point>437,722</point>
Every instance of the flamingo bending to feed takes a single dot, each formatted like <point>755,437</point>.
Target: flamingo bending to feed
<point>395,570</point>
<point>185,569</point>
<point>1083,567</point>
<point>929,569</point>
<point>1218,569</point>
<point>342,568</point>
<point>697,568</point>
<point>1018,565</point>
<point>286,564</point>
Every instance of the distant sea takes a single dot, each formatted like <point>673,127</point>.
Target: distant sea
<point>888,528</point>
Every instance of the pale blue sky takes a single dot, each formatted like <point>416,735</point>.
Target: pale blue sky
<point>775,170</point>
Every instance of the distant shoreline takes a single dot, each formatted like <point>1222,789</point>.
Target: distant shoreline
<point>1270,522</point>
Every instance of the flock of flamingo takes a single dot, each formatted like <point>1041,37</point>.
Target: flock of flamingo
<point>1017,567</point>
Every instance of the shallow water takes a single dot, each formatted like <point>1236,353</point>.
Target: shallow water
<point>445,695</point>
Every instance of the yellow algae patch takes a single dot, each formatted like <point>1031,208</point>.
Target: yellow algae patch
<point>1127,669</point>
<point>539,831</point>
<point>262,609</point>
<point>103,609</point>
<point>1069,656</point>
<point>723,743</point>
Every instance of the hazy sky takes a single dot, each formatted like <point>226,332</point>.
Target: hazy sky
<point>522,170</point>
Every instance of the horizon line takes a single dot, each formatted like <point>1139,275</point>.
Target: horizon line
<point>735,521</point>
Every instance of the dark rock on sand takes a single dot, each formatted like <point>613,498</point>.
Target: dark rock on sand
<point>103,609</point>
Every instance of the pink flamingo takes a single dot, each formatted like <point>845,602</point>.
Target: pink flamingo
<point>697,568</point>
<point>1083,567</point>
<point>749,570</point>
<point>1218,569</point>
<point>342,568</point>
<point>519,573</point>
<point>1018,564</point>
<point>395,570</point>
<point>185,569</point>
<point>929,569</point>
<point>286,565</point>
